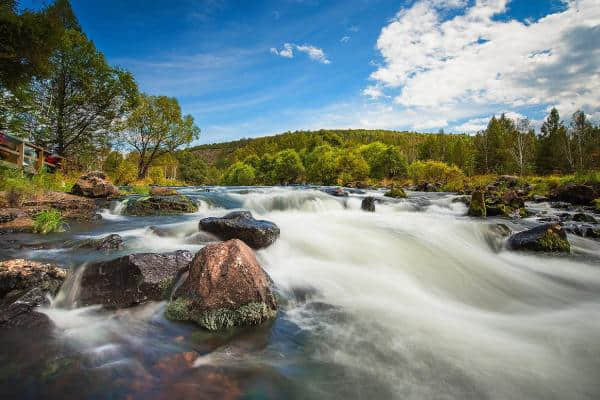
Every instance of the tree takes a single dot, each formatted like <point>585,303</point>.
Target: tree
<point>28,40</point>
<point>156,127</point>
<point>239,174</point>
<point>550,153</point>
<point>321,165</point>
<point>79,104</point>
<point>522,144</point>
<point>351,167</point>
<point>581,132</point>
<point>287,167</point>
<point>191,168</point>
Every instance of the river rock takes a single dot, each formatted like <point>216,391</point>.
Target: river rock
<point>466,200</point>
<point>477,207</point>
<point>337,192</point>
<point>110,242</point>
<point>582,217</point>
<point>575,194</point>
<point>131,279</point>
<point>583,230</point>
<point>94,184</point>
<point>396,193</point>
<point>242,225</point>
<point>547,238</point>
<point>160,205</point>
<point>539,199</point>
<point>226,287</point>
<point>162,191</point>
<point>368,204</point>
<point>25,285</point>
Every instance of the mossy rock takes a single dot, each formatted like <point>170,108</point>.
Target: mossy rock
<point>220,319</point>
<point>597,205</point>
<point>396,193</point>
<point>477,207</point>
<point>160,205</point>
<point>544,238</point>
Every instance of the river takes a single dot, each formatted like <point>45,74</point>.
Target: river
<point>414,301</point>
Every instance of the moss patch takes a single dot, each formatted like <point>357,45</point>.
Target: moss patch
<point>222,318</point>
<point>477,205</point>
<point>597,205</point>
<point>550,241</point>
<point>396,192</point>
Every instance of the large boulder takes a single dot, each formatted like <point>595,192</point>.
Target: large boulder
<point>242,225</point>
<point>575,194</point>
<point>226,287</point>
<point>368,204</point>
<point>25,285</point>
<point>477,205</point>
<point>94,184</point>
<point>131,279</point>
<point>160,205</point>
<point>547,238</point>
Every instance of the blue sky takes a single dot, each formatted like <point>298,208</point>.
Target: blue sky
<point>250,68</point>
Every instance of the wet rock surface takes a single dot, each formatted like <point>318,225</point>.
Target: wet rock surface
<point>575,194</point>
<point>242,225</point>
<point>336,191</point>
<point>544,238</point>
<point>477,207</point>
<point>160,205</point>
<point>131,279</point>
<point>25,285</point>
<point>368,204</point>
<point>226,287</point>
<point>95,185</point>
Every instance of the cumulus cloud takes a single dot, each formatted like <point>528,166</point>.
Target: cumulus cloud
<point>373,92</point>
<point>314,53</point>
<point>473,60</point>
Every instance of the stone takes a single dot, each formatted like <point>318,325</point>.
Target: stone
<point>242,225</point>
<point>25,285</point>
<point>396,193</point>
<point>132,279</point>
<point>583,230</point>
<point>368,204</point>
<point>582,217</point>
<point>226,287</point>
<point>337,192</point>
<point>95,185</point>
<point>477,207</point>
<point>543,238</point>
<point>575,194</point>
<point>160,205</point>
<point>110,242</point>
<point>162,191</point>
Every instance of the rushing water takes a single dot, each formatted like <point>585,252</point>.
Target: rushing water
<point>414,301</point>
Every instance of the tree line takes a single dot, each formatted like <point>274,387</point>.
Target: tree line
<point>58,91</point>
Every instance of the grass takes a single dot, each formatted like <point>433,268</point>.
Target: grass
<point>20,186</point>
<point>48,221</point>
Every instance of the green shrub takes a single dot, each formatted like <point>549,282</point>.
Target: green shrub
<point>48,221</point>
<point>434,172</point>
<point>157,175</point>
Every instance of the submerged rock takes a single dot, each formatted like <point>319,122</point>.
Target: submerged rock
<point>24,285</point>
<point>94,184</point>
<point>547,238</point>
<point>396,193</point>
<point>160,205</point>
<point>582,217</point>
<point>583,230</point>
<point>337,192</point>
<point>242,225</point>
<point>477,207</point>
<point>368,204</point>
<point>226,287</point>
<point>110,242</point>
<point>575,194</point>
<point>131,279</point>
<point>466,200</point>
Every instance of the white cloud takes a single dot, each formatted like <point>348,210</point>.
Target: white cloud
<point>345,39</point>
<point>314,53</point>
<point>473,61</point>
<point>373,92</point>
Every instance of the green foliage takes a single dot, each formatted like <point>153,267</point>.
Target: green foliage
<point>351,167</point>
<point>287,167</point>
<point>157,176</point>
<point>192,169</point>
<point>156,127</point>
<point>239,174</point>
<point>597,204</point>
<point>434,172</point>
<point>48,221</point>
<point>321,165</point>
<point>396,192</point>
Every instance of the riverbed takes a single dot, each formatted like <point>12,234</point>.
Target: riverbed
<point>414,301</point>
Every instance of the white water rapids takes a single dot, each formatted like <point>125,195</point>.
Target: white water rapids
<point>410,302</point>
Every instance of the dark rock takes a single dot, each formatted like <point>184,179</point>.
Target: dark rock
<point>368,204</point>
<point>466,200</point>
<point>160,205</point>
<point>94,184</point>
<point>25,285</point>
<point>242,225</point>
<point>575,194</point>
<point>583,230</point>
<point>561,205</point>
<point>477,207</point>
<point>547,238</point>
<point>581,217</point>
<point>226,287</point>
<point>539,199</point>
<point>131,279</point>
<point>507,181</point>
<point>427,187</point>
<point>110,242</point>
<point>337,192</point>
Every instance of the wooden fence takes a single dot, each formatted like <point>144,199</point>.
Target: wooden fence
<point>18,153</point>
